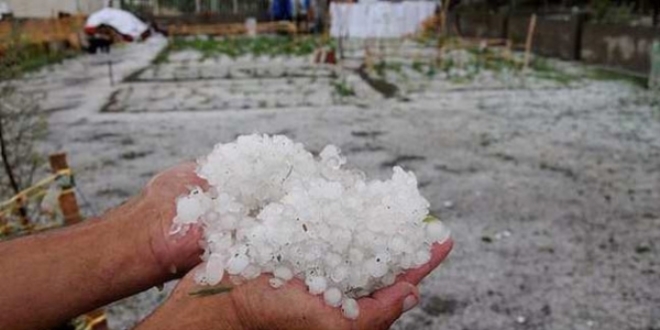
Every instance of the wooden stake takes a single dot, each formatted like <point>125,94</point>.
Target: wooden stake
<point>507,49</point>
<point>97,320</point>
<point>528,43</point>
<point>67,199</point>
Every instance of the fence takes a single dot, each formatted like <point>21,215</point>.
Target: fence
<point>200,11</point>
<point>49,203</point>
<point>621,47</point>
<point>45,32</point>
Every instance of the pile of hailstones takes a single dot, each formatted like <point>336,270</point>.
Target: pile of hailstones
<point>272,207</point>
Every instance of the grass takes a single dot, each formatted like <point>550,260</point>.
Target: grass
<point>603,74</point>
<point>240,46</point>
<point>21,60</point>
<point>543,69</point>
<point>343,88</point>
<point>162,57</point>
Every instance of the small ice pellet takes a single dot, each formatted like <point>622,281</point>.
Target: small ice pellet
<point>350,308</point>
<point>251,272</point>
<point>339,274</point>
<point>275,283</point>
<point>332,297</point>
<point>283,273</point>
<point>436,231</point>
<point>316,284</point>
<point>188,209</point>
<point>215,270</point>
<point>237,264</point>
<point>388,279</point>
<point>376,268</point>
<point>422,257</point>
<point>332,260</point>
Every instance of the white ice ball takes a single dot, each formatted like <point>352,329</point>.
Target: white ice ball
<point>237,263</point>
<point>283,273</point>
<point>436,231</point>
<point>332,297</point>
<point>316,284</point>
<point>350,308</point>
<point>188,210</point>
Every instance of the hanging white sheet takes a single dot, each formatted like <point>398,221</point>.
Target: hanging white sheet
<point>379,19</point>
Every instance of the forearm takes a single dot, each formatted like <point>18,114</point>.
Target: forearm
<point>179,313</point>
<point>49,278</point>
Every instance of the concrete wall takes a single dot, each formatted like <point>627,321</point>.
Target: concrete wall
<point>619,46</point>
<point>554,38</point>
<point>50,8</point>
<point>482,25</point>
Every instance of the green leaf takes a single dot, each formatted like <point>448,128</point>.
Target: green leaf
<point>204,292</point>
<point>430,218</point>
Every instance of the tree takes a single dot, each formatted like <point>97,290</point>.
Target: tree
<point>21,123</point>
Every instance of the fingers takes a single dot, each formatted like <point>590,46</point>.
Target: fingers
<point>187,245</point>
<point>178,178</point>
<point>386,305</point>
<point>438,253</point>
<point>186,172</point>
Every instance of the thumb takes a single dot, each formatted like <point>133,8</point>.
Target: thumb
<point>386,305</point>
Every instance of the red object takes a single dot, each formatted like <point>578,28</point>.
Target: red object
<point>330,57</point>
<point>91,30</point>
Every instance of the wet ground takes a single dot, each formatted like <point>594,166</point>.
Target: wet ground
<point>552,190</point>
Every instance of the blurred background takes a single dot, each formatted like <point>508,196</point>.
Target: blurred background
<point>533,127</point>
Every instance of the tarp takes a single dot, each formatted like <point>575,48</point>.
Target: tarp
<point>4,9</point>
<point>282,10</point>
<point>379,19</point>
<point>122,21</point>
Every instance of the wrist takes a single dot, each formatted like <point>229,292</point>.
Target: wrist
<point>166,256</point>
<point>182,311</point>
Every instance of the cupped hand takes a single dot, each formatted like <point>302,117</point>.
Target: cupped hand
<point>255,305</point>
<point>178,253</point>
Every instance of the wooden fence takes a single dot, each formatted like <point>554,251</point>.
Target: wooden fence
<point>66,30</point>
<point>571,37</point>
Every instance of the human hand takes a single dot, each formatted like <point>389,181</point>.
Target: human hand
<point>255,305</point>
<point>156,206</point>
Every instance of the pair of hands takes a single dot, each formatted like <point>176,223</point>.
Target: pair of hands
<point>253,304</point>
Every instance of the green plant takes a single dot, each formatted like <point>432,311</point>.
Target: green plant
<point>608,11</point>
<point>380,68</point>
<point>603,74</point>
<point>343,88</point>
<point>256,46</point>
<point>543,69</point>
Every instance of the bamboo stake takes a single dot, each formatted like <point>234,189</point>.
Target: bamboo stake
<point>67,199</point>
<point>528,43</point>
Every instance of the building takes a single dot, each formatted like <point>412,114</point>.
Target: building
<point>52,8</point>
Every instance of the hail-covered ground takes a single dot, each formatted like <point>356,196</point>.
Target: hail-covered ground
<point>550,189</point>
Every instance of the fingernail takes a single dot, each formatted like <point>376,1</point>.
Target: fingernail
<point>409,303</point>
